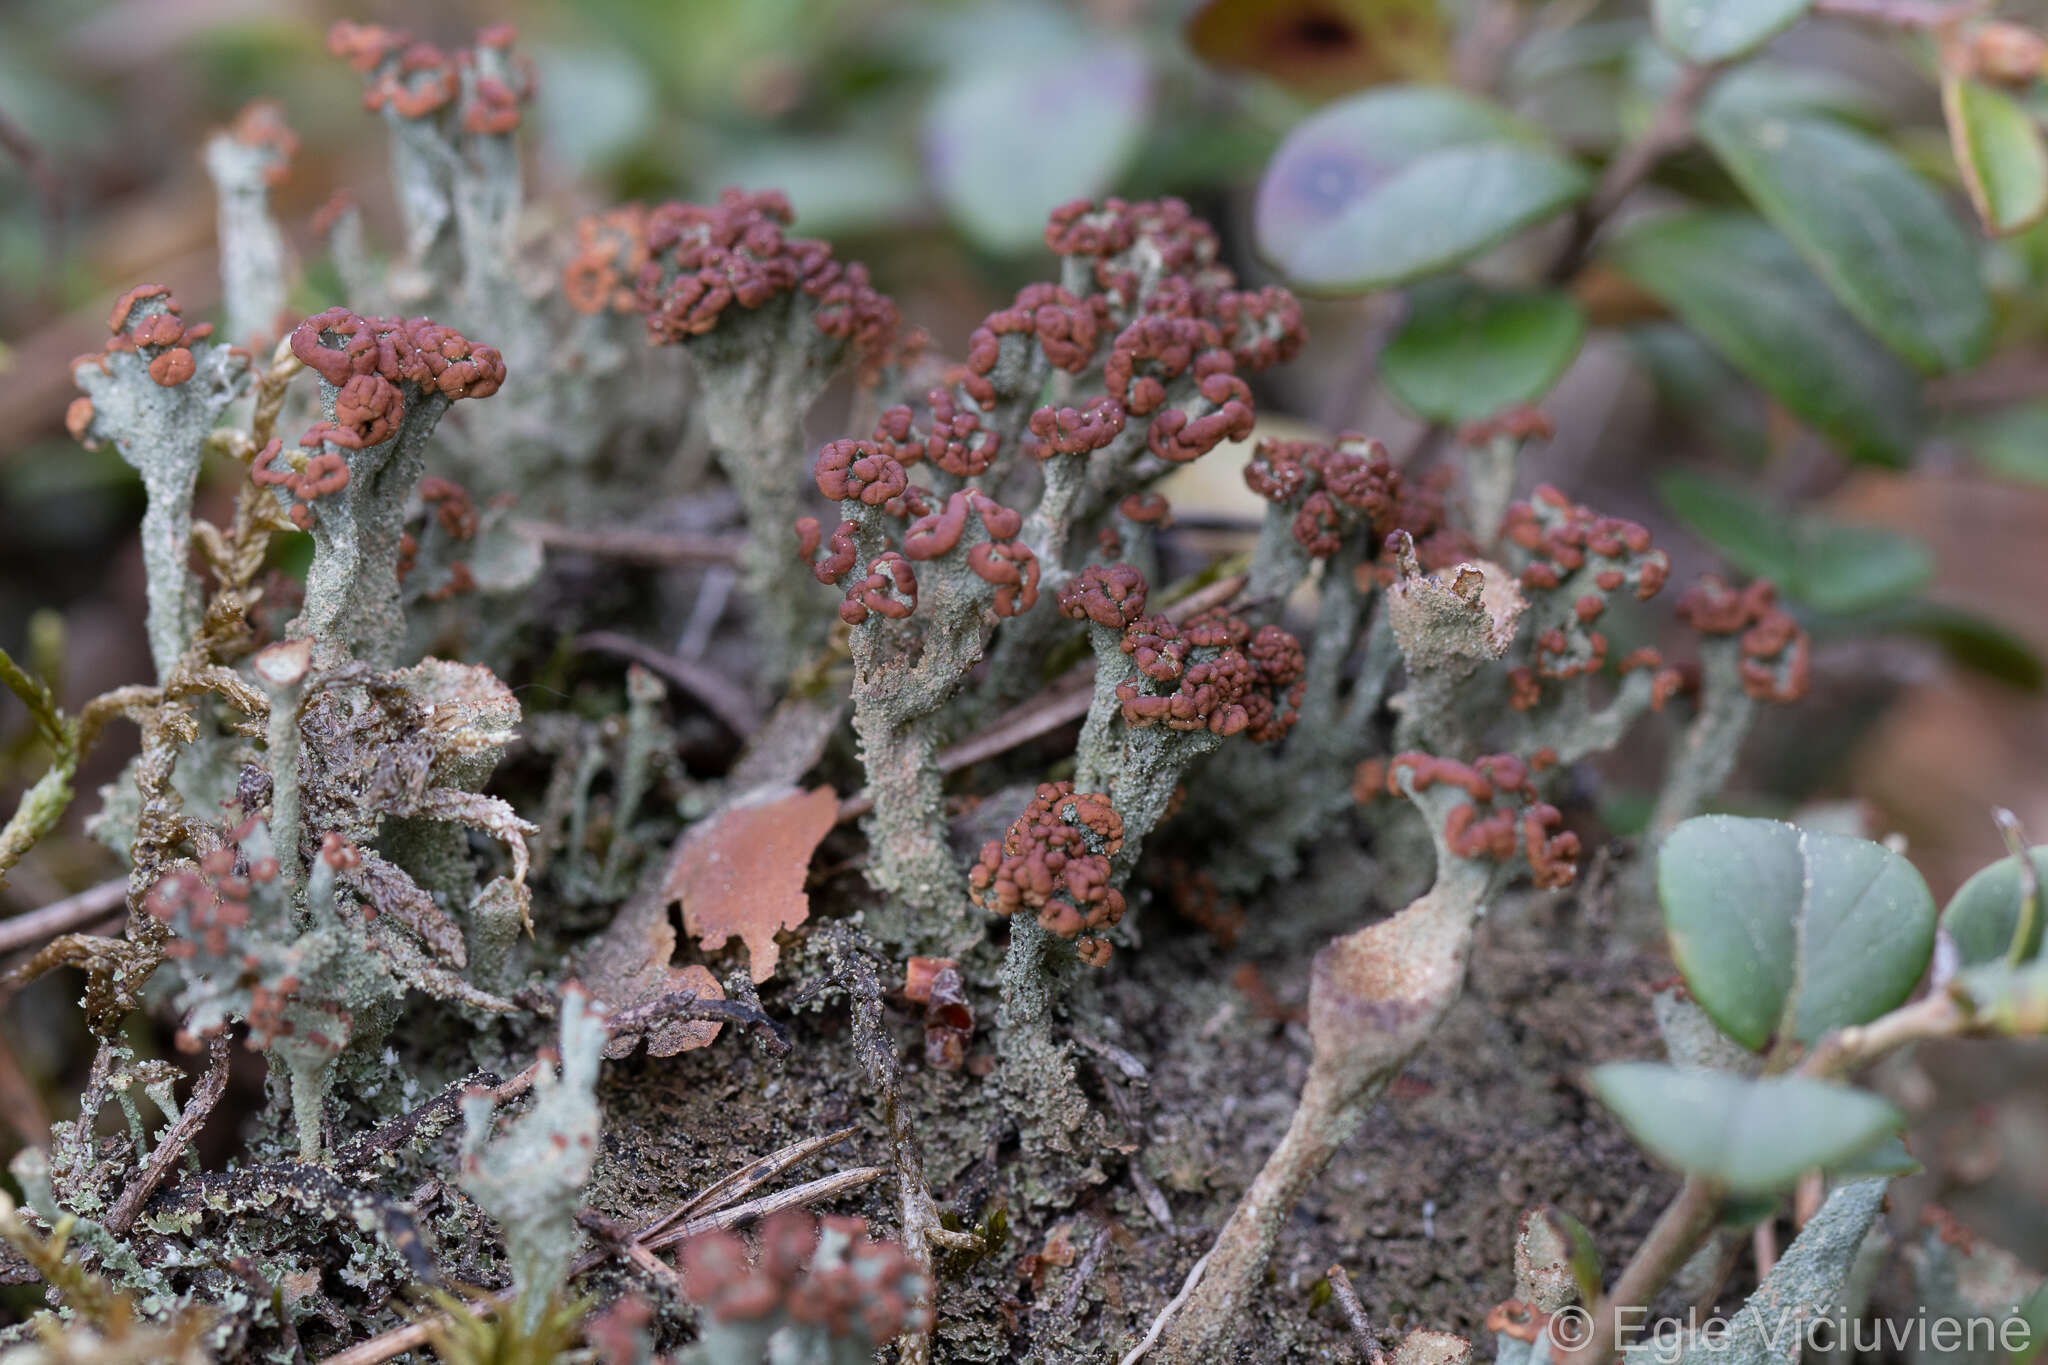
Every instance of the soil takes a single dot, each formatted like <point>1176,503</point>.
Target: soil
<point>1189,1050</point>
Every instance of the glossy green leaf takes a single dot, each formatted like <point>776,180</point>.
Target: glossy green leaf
<point>1887,1157</point>
<point>1708,31</point>
<point>1753,1136</point>
<point>2011,442</point>
<point>1466,351</point>
<point>1008,141</point>
<point>1781,930</point>
<point>1750,297</point>
<point>1999,150</point>
<point>1692,378</point>
<point>1814,560</point>
<point>1876,233</point>
<point>1983,917</point>
<point>1968,639</point>
<point>1404,182</point>
<point>2007,999</point>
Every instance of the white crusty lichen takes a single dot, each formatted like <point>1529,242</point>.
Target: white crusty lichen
<point>530,1175</point>
<point>384,384</point>
<point>245,159</point>
<point>155,391</point>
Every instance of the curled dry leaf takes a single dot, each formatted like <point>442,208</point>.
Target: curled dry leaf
<point>630,965</point>
<point>741,871</point>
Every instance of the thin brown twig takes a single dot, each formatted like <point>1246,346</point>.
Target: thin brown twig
<point>1763,1245</point>
<point>1678,1232</point>
<point>824,1187</point>
<point>1670,128</point>
<point>1084,1272</point>
<point>21,1107</point>
<point>1912,15</point>
<point>1354,1313</point>
<point>63,917</point>
<point>686,1005</point>
<point>746,1178</point>
<point>719,694</point>
<point>624,1242</point>
<point>397,1341</point>
<point>175,1140</point>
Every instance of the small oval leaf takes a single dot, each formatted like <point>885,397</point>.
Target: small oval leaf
<point>1816,561</point>
<point>1875,232</point>
<point>1709,31</point>
<point>1999,150</point>
<point>1467,351</point>
<point>1403,182</point>
<point>1782,930</point>
<point>1750,297</point>
<point>1007,142</point>
<point>1983,917</point>
<point>1753,1136</point>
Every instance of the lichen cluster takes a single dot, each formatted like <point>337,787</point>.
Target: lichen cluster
<point>360,857</point>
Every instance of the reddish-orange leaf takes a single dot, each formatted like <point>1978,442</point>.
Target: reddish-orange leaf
<point>1322,48</point>
<point>741,872</point>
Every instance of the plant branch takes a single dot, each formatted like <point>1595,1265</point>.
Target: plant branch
<point>1354,1313</point>
<point>89,906</point>
<point>1938,1015</point>
<point>1669,129</point>
<point>1912,15</point>
<point>1685,1223</point>
<point>175,1140</point>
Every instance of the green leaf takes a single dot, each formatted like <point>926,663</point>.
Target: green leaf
<point>2034,1345</point>
<point>1779,930</point>
<point>1752,299</point>
<point>1842,567</point>
<point>1008,141</point>
<point>1999,150</point>
<point>1877,234</point>
<point>1709,31</point>
<point>1753,1136</point>
<point>1830,565</point>
<point>1467,351</point>
<point>1403,182</point>
<point>1583,1254</point>
<point>1983,916</point>
<point>2011,442</point>
<point>1887,1157</point>
<point>1691,377</point>
<point>1967,638</point>
<point>2007,999</point>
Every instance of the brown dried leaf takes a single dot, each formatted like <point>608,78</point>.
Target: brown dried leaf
<point>391,892</point>
<point>741,872</point>
<point>629,965</point>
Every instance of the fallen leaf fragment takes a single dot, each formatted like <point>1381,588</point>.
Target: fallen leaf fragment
<point>741,871</point>
<point>629,965</point>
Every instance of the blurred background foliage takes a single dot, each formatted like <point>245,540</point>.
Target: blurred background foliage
<point>1899,506</point>
<point>1888,468</point>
